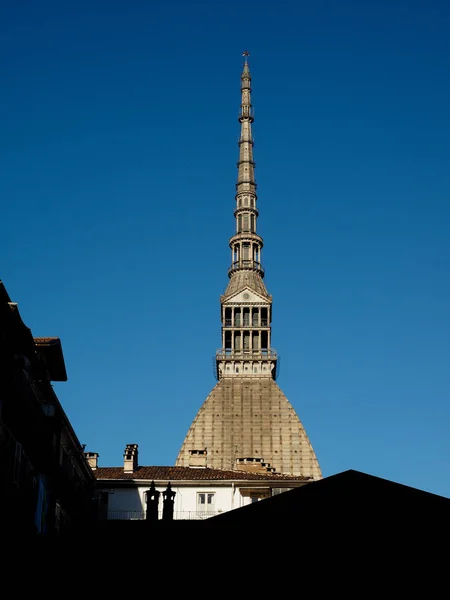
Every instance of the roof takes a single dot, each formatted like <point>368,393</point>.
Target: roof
<point>51,349</point>
<point>44,341</point>
<point>347,502</point>
<point>260,422</point>
<point>189,474</point>
<point>242,279</point>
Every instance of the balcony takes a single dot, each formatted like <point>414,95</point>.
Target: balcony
<point>229,354</point>
<point>139,515</point>
<point>126,515</point>
<point>246,264</point>
<point>253,325</point>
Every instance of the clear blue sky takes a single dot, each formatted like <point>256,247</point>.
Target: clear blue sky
<point>118,162</point>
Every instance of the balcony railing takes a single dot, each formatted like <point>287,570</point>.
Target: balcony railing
<point>229,354</point>
<point>246,264</point>
<point>126,515</point>
<point>139,515</point>
<point>229,323</point>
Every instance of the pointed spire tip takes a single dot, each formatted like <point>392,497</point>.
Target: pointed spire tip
<point>246,54</point>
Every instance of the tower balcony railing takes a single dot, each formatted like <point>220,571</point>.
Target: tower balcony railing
<point>250,162</point>
<point>243,117</point>
<point>240,209</point>
<point>253,265</point>
<point>252,354</point>
<point>254,325</point>
<point>246,235</point>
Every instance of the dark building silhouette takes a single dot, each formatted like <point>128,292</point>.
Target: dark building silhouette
<point>46,484</point>
<point>350,506</point>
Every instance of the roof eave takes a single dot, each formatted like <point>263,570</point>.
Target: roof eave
<point>51,349</point>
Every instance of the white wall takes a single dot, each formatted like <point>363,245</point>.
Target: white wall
<point>122,500</point>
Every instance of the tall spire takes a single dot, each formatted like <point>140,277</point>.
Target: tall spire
<point>246,245</point>
<point>246,422</point>
<point>246,305</point>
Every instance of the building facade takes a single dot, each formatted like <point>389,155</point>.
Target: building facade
<point>246,417</point>
<point>197,493</point>
<point>46,485</point>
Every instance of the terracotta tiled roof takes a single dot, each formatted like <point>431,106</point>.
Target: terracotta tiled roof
<point>46,340</point>
<point>188,474</point>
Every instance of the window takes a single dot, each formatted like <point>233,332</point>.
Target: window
<point>57,516</point>
<point>246,340</point>
<point>237,341</point>
<point>264,340</point>
<point>206,502</point>
<point>255,340</point>
<point>228,340</point>
<point>17,462</point>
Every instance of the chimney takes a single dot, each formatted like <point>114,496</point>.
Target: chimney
<point>253,465</point>
<point>92,458</point>
<point>130,458</point>
<point>168,503</point>
<point>152,500</point>
<point>198,458</point>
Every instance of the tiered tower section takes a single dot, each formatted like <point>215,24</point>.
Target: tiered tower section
<point>246,307</point>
